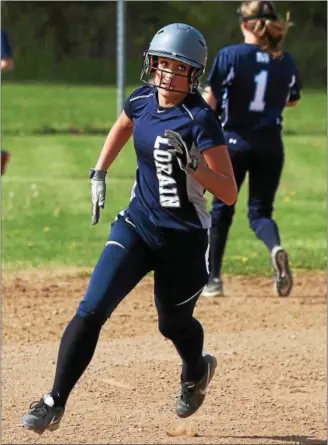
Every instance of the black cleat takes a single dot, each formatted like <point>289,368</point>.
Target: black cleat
<point>192,394</point>
<point>43,415</point>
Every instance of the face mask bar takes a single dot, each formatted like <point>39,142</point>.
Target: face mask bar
<point>150,67</point>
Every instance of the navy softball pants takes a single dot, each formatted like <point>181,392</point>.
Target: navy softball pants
<point>262,157</point>
<point>180,264</point>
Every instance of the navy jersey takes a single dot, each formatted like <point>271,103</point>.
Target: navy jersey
<point>166,194</point>
<point>6,51</point>
<point>253,87</point>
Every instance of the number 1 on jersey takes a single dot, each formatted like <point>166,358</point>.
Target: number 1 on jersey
<point>258,103</point>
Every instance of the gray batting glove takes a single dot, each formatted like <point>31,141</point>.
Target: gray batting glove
<point>98,192</point>
<point>187,162</point>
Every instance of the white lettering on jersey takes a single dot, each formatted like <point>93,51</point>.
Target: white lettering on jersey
<point>262,57</point>
<point>261,80</point>
<point>168,193</point>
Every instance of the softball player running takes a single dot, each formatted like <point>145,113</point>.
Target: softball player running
<point>252,83</point>
<point>180,152</point>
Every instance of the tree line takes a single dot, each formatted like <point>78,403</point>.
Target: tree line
<point>75,41</point>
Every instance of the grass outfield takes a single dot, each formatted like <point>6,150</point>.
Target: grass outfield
<point>46,207</point>
<point>46,109</point>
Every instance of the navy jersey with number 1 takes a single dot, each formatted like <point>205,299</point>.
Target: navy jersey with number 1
<point>253,87</point>
<point>163,193</point>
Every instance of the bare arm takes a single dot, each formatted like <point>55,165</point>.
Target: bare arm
<point>217,176</point>
<point>209,97</point>
<point>118,136</point>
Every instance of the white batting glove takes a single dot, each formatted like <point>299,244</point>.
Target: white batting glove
<point>98,193</point>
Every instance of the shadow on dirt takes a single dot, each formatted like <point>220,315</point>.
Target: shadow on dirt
<point>277,440</point>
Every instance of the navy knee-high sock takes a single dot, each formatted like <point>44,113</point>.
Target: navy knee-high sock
<point>76,350</point>
<point>218,240</point>
<point>267,231</point>
<point>189,345</point>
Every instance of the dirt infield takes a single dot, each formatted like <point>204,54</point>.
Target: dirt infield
<point>270,387</point>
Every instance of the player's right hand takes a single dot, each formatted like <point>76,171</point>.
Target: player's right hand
<point>98,192</point>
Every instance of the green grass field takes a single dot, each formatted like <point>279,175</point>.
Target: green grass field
<point>55,133</point>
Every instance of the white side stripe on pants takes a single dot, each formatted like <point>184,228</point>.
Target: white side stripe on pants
<point>207,253</point>
<point>114,242</point>
<point>195,295</point>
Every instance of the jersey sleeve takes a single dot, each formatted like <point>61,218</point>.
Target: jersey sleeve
<point>134,101</point>
<point>295,85</point>
<point>128,106</point>
<point>6,51</point>
<point>295,89</point>
<point>207,131</point>
<point>220,71</point>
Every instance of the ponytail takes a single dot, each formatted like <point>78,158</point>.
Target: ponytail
<point>269,29</point>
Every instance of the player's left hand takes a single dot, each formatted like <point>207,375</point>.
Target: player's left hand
<point>98,193</point>
<point>187,162</point>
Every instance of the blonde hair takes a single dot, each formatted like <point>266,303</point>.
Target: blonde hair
<point>267,27</point>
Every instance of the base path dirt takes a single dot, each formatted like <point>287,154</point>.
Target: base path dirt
<point>270,387</point>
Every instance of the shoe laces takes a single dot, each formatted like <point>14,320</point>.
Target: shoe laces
<point>187,388</point>
<point>39,407</point>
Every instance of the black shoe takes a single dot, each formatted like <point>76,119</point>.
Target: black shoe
<point>192,394</point>
<point>43,415</point>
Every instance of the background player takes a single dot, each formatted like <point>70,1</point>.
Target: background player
<point>252,83</point>
<point>164,228</point>
<point>7,64</point>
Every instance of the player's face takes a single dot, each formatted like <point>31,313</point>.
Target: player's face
<point>172,75</point>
